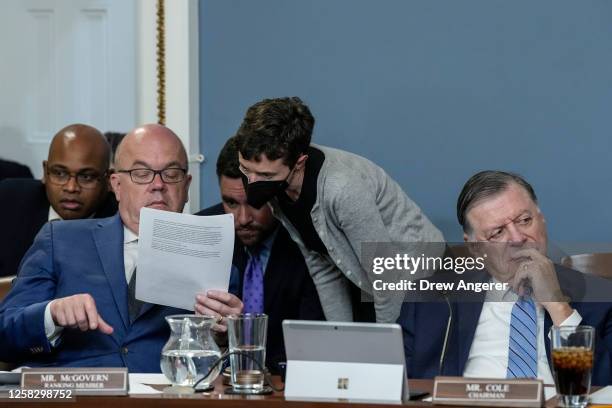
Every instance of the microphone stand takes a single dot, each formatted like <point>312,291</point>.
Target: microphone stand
<point>449,324</point>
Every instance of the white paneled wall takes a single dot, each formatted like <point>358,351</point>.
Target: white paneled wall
<point>94,61</point>
<point>68,61</point>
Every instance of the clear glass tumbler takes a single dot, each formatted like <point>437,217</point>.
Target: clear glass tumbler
<point>247,335</point>
<point>572,361</point>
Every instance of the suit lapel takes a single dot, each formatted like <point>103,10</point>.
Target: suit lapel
<point>547,327</point>
<point>109,242</point>
<point>42,213</point>
<point>239,261</point>
<point>145,307</point>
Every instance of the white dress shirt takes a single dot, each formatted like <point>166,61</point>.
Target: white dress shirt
<point>53,215</point>
<point>130,253</point>
<point>488,355</point>
<point>130,259</point>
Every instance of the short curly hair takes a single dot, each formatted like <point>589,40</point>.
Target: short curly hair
<point>227,162</point>
<point>278,128</point>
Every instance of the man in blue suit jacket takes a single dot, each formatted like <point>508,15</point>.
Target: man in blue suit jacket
<point>73,301</point>
<point>74,185</point>
<point>473,338</point>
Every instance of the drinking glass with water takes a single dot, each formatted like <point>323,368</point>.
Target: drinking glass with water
<point>247,338</point>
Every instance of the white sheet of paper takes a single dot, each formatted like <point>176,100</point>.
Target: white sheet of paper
<point>603,396</point>
<point>549,392</point>
<point>138,383</point>
<point>180,255</point>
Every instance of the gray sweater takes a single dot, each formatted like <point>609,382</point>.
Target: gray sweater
<point>357,202</point>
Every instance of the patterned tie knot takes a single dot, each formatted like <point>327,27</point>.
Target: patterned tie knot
<point>526,301</point>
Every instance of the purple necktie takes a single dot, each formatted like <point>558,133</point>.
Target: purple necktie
<point>253,288</point>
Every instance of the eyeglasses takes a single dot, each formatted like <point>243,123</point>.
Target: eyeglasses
<point>170,175</point>
<point>84,180</point>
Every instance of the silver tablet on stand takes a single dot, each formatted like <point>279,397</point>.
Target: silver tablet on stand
<point>351,361</point>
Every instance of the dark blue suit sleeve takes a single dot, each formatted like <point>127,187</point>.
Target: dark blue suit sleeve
<point>605,338</point>
<point>22,328</point>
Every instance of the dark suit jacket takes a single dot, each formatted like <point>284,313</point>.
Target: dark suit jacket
<point>424,326</point>
<point>11,169</point>
<point>25,209</point>
<point>71,257</point>
<point>289,292</point>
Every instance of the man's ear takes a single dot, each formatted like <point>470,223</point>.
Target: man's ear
<point>44,176</point>
<point>301,161</point>
<point>187,185</point>
<point>114,184</point>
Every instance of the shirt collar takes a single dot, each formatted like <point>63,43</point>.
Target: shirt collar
<point>508,295</point>
<point>53,215</point>
<point>129,236</point>
<point>266,244</point>
<point>270,240</point>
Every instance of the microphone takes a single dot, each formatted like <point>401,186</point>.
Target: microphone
<point>449,324</point>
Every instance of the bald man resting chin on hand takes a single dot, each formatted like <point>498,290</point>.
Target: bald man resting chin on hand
<point>73,301</point>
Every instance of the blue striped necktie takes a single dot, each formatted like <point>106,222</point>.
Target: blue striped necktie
<point>522,351</point>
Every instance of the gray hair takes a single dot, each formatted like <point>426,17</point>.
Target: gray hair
<point>486,184</point>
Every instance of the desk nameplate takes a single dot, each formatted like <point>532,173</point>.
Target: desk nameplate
<point>488,392</point>
<point>82,381</point>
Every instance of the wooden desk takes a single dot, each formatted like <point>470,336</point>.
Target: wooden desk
<point>218,399</point>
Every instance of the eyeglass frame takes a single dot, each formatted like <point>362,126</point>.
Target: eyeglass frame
<point>97,177</point>
<point>155,173</point>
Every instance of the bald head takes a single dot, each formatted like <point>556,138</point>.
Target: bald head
<point>83,138</point>
<point>75,172</point>
<point>150,147</point>
<point>135,141</point>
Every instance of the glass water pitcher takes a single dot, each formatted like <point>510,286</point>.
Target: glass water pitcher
<point>190,351</point>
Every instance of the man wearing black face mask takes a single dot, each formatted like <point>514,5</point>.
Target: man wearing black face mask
<point>331,202</point>
<point>268,271</point>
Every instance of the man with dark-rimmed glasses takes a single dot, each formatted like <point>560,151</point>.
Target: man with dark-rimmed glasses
<point>74,186</point>
<point>73,302</point>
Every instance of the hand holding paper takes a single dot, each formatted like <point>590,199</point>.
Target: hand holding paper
<point>220,304</point>
<point>180,255</point>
